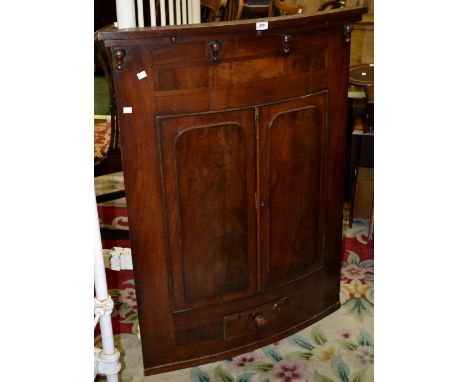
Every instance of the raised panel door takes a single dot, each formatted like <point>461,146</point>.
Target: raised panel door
<point>292,187</point>
<point>209,188</point>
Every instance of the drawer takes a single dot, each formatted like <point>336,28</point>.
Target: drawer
<point>256,320</point>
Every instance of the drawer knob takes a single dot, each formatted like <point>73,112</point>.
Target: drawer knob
<point>286,41</point>
<point>259,320</point>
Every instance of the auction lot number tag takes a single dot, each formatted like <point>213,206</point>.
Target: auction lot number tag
<point>262,25</point>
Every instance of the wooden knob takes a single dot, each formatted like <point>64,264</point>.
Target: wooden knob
<point>347,29</point>
<point>286,41</point>
<point>119,55</point>
<point>259,320</point>
<point>215,48</point>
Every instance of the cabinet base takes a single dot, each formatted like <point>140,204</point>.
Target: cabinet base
<point>242,349</point>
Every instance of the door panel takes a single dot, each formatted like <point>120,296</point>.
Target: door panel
<point>294,139</point>
<point>209,179</point>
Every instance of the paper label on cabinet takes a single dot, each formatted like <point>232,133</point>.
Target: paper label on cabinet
<point>127,110</point>
<point>142,75</point>
<point>261,25</point>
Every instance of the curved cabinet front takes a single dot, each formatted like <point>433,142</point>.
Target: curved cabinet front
<point>244,196</point>
<point>233,164</point>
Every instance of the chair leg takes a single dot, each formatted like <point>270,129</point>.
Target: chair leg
<point>110,196</point>
<point>356,142</point>
<point>370,232</point>
<point>114,234</point>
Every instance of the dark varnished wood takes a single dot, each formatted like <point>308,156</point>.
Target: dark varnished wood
<point>293,136</point>
<point>286,41</point>
<point>321,20</point>
<point>233,158</point>
<point>119,55</point>
<point>209,182</point>
<point>253,321</point>
<point>215,47</point>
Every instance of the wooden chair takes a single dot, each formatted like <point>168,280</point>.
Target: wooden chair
<point>110,161</point>
<point>211,10</point>
<point>233,10</point>
<point>360,114</point>
<point>331,4</point>
<point>281,8</point>
<point>258,9</point>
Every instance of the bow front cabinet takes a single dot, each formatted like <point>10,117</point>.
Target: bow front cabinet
<point>233,145</point>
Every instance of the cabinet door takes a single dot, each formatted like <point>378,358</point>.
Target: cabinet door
<point>292,186</point>
<point>209,185</point>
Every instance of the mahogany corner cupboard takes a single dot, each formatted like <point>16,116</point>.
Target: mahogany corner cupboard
<point>233,145</point>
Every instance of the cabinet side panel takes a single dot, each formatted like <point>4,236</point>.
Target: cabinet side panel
<point>338,58</point>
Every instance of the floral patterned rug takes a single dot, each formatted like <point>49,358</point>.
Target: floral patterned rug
<point>339,348</point>
<point>101,139</point>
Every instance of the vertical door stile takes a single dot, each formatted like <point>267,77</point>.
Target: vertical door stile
<point>257,198</point>
<point>324,169</point>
